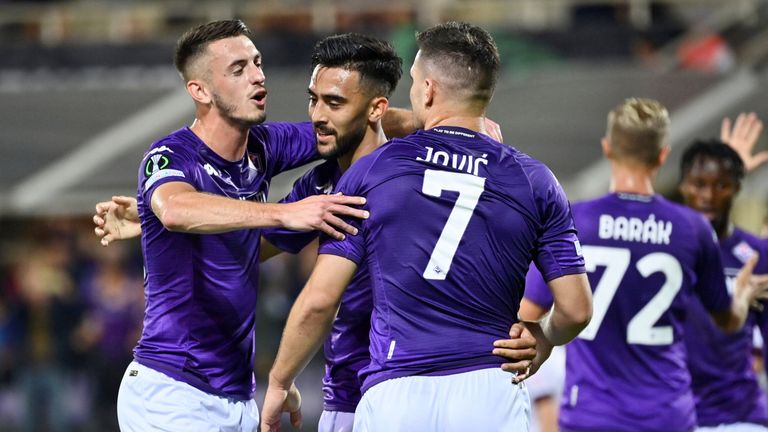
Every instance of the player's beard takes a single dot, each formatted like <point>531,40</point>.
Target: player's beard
<point>344,143</point>
<point>227,110</point>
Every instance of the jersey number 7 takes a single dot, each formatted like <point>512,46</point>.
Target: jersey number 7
<point>469,188</point>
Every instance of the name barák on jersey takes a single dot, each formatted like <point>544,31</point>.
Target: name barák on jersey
<point>635,229</point>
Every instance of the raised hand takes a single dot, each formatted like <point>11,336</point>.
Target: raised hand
<point>493,130</point>
<point>742,137</point>
<point>117,219</point>
<point>324,213</point>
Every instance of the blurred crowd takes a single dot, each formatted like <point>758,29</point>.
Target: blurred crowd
<point>70,315</point>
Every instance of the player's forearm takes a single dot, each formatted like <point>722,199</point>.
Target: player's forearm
<point>571,310</point>
<point>398,122</point>
<point>734,319</point>
<point>202,213</point>
<point>559,328</point>
<point>308,325</point>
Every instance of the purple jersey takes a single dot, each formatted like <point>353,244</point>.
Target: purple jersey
<point>724,383</point>
<point>201,290</point>
<point>455,220</point>
<point>646,257</point>
<point>346,349</point>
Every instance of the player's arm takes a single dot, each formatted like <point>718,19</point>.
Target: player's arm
<point>399,122</point>
<point>571,310</point>
<point>742,137</point>
<point>530,311</point>
<point>309,323</point>
<point>180,207</point>
<point>570,313</point>
<point>748,289</point>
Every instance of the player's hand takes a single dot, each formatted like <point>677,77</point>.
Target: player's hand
<point>521,348</point>
<point>117,219</point>
<point>277,401</point>
<point>493,130</point>
<point>324,213</point>
<point>756,286</point>
<point>743,137</point>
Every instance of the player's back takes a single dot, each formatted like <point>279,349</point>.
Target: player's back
<point>455,220</point>
<point>646,258</point>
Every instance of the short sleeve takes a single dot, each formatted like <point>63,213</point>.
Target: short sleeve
<point>558,251</point>
<point>288,240</point>
<point>710,283</point>
<point>165,162</point>
<point>287,145</point>
<point>351,183</point>
<point>536,289</point>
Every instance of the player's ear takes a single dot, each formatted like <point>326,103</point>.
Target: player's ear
<point>429,91</point>
<point>606,145</point>
<point>663,154</point>
<point>199,92</point>
<point>379,106</point>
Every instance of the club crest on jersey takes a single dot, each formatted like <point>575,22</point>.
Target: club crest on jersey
<point>743,251</point>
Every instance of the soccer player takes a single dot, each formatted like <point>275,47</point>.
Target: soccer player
<point>726,390</point>
<point>352,78</point>
<point>646,258</point>
<point>200,203</point>
<point>455,220</point>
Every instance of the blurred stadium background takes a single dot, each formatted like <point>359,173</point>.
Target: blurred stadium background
<point>86,86</point>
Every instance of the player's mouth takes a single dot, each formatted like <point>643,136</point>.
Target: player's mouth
<point>260,98</point>
<point>324,135</point>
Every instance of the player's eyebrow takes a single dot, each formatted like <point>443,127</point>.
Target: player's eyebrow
<point>243,62</point>
<point>327,96</point>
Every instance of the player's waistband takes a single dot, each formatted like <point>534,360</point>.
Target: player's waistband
<point>186,377</point>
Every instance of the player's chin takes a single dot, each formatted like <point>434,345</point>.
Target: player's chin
<point>326,150</point>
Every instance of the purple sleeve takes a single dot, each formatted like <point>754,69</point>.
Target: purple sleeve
<point>351,183</point>
<point>710,283</point>
<point>558,252</point>
<point>165,162</point>
<point>536,289</point>
<point>285,239</point>
<point>287,145</point>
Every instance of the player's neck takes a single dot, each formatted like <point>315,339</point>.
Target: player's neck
<point>373,138</point>
<point>472,122</point>
<point>631,179</point>
<point>723,228</point>
<point>225,139</point>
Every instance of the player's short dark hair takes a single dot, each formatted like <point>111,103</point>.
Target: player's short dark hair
<point>464,52</point>
<point>380,68</point>
<point>194,41</point>
<point>716,150</point>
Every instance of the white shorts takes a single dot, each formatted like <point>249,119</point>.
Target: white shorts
<point>482,400</point>
<point>336,421</point>
<point>149,400</point>
<point>733,427</point>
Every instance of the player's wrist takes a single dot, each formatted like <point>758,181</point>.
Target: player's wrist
<point>275,215</point>
<point>279,381</point>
